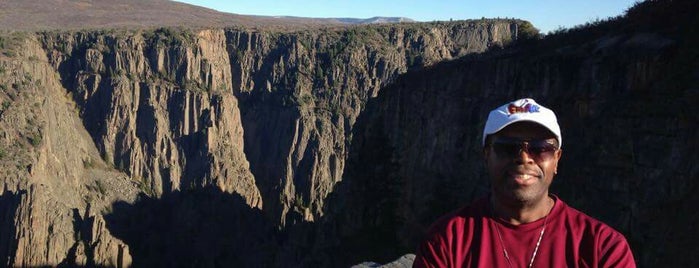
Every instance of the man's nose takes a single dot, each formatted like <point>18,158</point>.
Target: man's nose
<point>523,157</point>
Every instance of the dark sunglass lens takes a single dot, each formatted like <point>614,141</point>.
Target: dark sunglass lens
<point>506,148</point>
<point>541,147</point>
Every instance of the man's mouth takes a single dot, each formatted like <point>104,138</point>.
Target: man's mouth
<point>524,178</point>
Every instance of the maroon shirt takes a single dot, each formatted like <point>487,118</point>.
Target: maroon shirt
<point>468,238</point>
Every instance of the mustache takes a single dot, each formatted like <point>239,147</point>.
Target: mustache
<point>525,170</point>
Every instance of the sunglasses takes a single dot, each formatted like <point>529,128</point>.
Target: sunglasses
<point>540,150</point>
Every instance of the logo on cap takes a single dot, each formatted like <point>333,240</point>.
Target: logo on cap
<point>524,108</point>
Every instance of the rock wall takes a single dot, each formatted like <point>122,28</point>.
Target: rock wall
<point>157,107</point>
<point>55,187</point>
<point>301,93</point>
<point>110,138</point>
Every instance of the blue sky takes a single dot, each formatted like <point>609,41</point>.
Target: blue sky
<point>547,15</point>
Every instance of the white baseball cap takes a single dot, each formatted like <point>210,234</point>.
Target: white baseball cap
<point>518,111</point>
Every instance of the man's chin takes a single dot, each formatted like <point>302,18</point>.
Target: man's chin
<point>521,196</point>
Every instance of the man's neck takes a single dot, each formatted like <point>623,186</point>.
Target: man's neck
<point>517,214</point>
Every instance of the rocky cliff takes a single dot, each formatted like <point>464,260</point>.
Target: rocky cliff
<point>128,147</point>
<point>56,189</point>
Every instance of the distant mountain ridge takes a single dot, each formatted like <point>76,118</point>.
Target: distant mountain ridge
<point>360,21</point>
<point>100,14</point>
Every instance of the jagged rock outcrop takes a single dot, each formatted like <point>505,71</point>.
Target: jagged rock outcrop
<point>157,107</point>
<point>54,184</point>
<point>404,261</point>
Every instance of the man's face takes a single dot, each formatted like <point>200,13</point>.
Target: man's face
<point>521,176</point>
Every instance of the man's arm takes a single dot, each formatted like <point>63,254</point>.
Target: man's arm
<point>431,253</point>
<point>615,251</point>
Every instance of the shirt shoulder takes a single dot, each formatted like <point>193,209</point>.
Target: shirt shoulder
<point>461,217</point>
<point>581,222</point>
<point>609,246</point>
<point>448,239</point>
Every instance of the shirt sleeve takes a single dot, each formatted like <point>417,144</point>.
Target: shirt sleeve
<point>430,253</point>
<point>615,251</point>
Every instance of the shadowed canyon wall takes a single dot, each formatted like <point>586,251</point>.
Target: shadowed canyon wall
<point>624,92</point>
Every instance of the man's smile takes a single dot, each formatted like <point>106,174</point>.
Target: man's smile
<point>523,178</point>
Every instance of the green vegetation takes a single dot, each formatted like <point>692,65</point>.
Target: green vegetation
<point>168,36</point>
<point>88,163</point>
<point>100,187</point>
<point>107,159</point>
<point>195,86</point>
<point>9,41</point>
<point>35,139</point>
<point>240,54</point>
<point>63,48</point>
<point>306,99</point>
<point>107,210</point>
<point>144,186</point>
<point>306,40</point>
<point>527,31</point>
<point>221,87</point>
<point>414,58</point>
<point>115,73</point>
<point>299,203</point>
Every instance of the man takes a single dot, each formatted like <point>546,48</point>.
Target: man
<point>520,224</point>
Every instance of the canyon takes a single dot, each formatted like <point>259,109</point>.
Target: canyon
<point>102,127</point>
<point>330,146</point>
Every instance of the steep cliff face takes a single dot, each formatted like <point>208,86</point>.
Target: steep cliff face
<point>118,145</point>
<point>55,187</point>
<point>300,95</point>
<point>158,105</point>
<point>624,92</point>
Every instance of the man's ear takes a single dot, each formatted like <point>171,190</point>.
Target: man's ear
<point>559,154</point>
